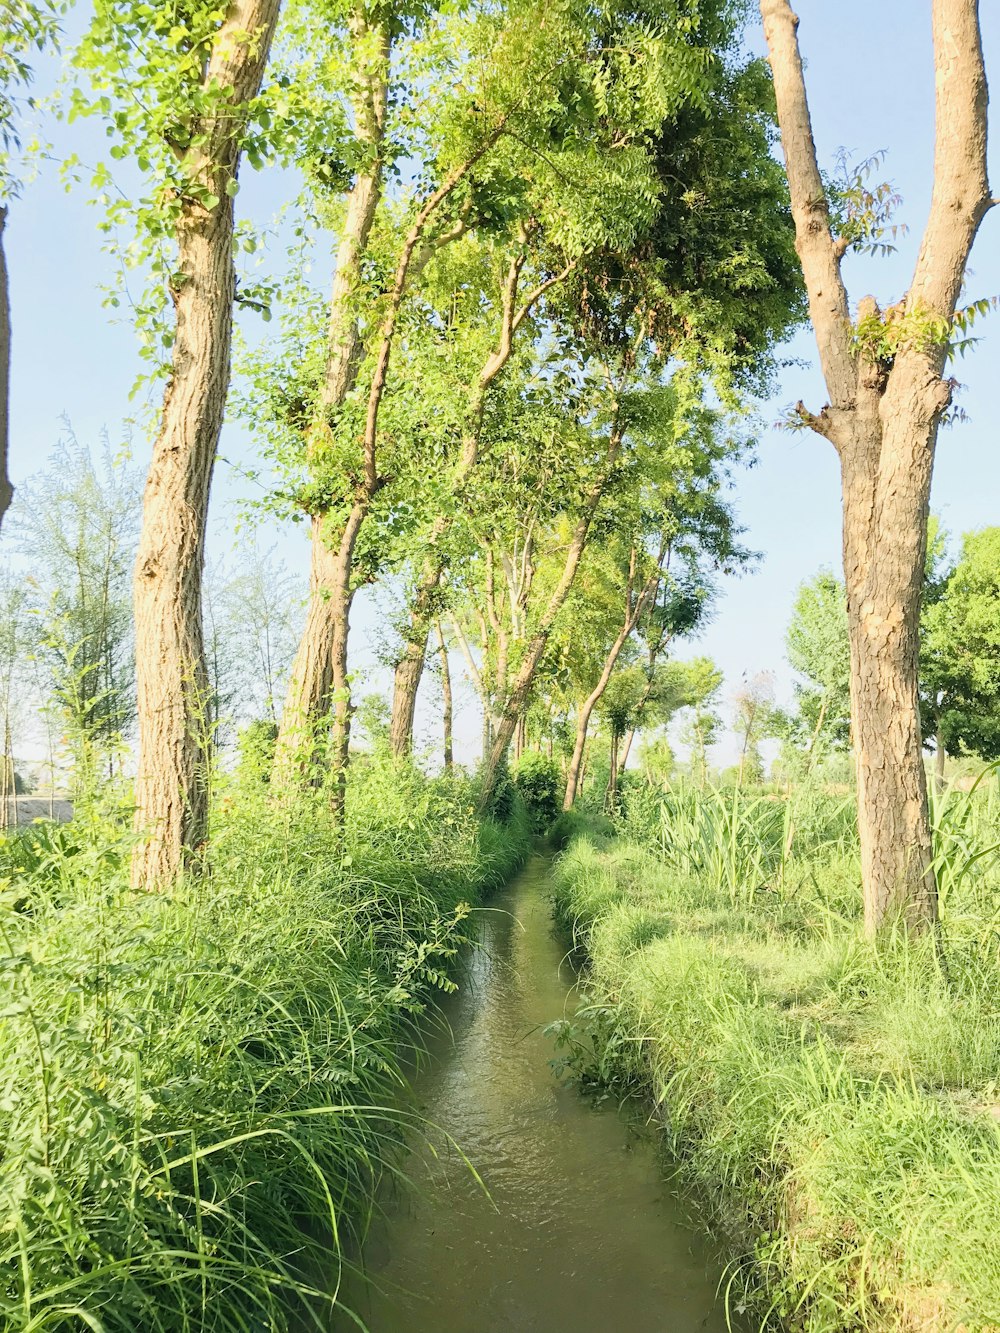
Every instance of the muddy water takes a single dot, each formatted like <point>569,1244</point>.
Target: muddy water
<point>579,1231</point>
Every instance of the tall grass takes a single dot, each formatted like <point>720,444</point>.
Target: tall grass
<point>837,1100</point>
<point>199,1090</point>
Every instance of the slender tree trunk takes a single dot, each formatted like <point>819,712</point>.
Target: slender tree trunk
<point>171,678</point>
<point>6,490</point>
<point>611,793</point>
<point>446,695</point>
<point>887,395</point>
<point>632,615</point>
<point>341,596</point>
<point>626,749</point>
<point>940,758</point>
<point>307,699</point>
<point>517,694</point>
<point>410,666</point>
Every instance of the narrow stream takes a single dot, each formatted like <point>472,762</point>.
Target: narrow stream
<point>580,1232</point>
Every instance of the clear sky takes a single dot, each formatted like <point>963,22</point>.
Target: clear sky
<point>870,76</point>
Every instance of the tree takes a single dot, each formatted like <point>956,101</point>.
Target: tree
<point>703,723</point>
<point>884,372</point>
<point>753,719</point>
<point>26,25</point>
<point>818,648</point>
<point>200,72</point>
<point>77,526</point>
<point>960,653</point>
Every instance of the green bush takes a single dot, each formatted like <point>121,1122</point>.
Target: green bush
<point>537,779</point>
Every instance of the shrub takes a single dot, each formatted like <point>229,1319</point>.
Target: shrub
<point>536,778</point>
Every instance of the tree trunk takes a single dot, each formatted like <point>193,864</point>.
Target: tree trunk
<point>446,694</point>
<point>626,749</point>
<point>611,793</point>
<point>307,699</point>
<point>171,681</point>
<point>940,758</point>
<point>887,394</point>
<point>410,666</point>
<point>6,490</point>
<point>632,615</point>
<point>885,524</point>
<point>516,699</point>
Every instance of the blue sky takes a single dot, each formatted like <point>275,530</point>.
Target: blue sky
<point>870,77</point>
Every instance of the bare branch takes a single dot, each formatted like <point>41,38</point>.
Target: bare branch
<point>961,196</point>
<point>817,250</point>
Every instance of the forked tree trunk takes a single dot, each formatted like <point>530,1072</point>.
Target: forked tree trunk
<point>6,490</point>
<point>887,395</point>
<point>171,679</point>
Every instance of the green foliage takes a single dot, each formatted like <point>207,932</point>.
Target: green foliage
<point>960,650</point>
<point>28,28</point>
<point>818,649</point>
<point>200,1091</point>
<point>76,527</point>
<point>835,1098</point>
<point>538,780</point>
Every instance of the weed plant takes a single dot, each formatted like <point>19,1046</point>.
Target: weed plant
<point>837,1099</point>
<point>199,1090</point>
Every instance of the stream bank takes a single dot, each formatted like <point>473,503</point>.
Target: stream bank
<point>579,1230</point>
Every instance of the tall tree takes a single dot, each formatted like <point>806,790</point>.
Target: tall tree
<point>200,74</point>
<point>960,654</point>
<point>818,649</point>
<point>26,26</point>
<point>884,373</point>
<point>77,525</point>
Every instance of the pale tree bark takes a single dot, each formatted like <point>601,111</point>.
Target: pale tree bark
<point>409,667</point>
<point>635,606</point>
<point>311,679</point>
<point>171,682</point>
<point>883,416</point>
<point>6,489</point>
<point>447,705</point>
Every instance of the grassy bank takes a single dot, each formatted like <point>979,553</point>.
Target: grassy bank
<point>838,1101</point>
<point>198,1090</point>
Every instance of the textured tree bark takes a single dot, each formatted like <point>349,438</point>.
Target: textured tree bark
<point>883,416</point>
<point>171,680</point>
<point>6,489</point>
<point>447,706</point>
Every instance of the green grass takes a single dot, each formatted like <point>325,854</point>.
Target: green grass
<point>200,1091</point>
<point>837,1101</point>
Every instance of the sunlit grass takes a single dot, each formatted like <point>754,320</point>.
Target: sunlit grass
<point>837,1099</point>
<point>199,1090</point>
